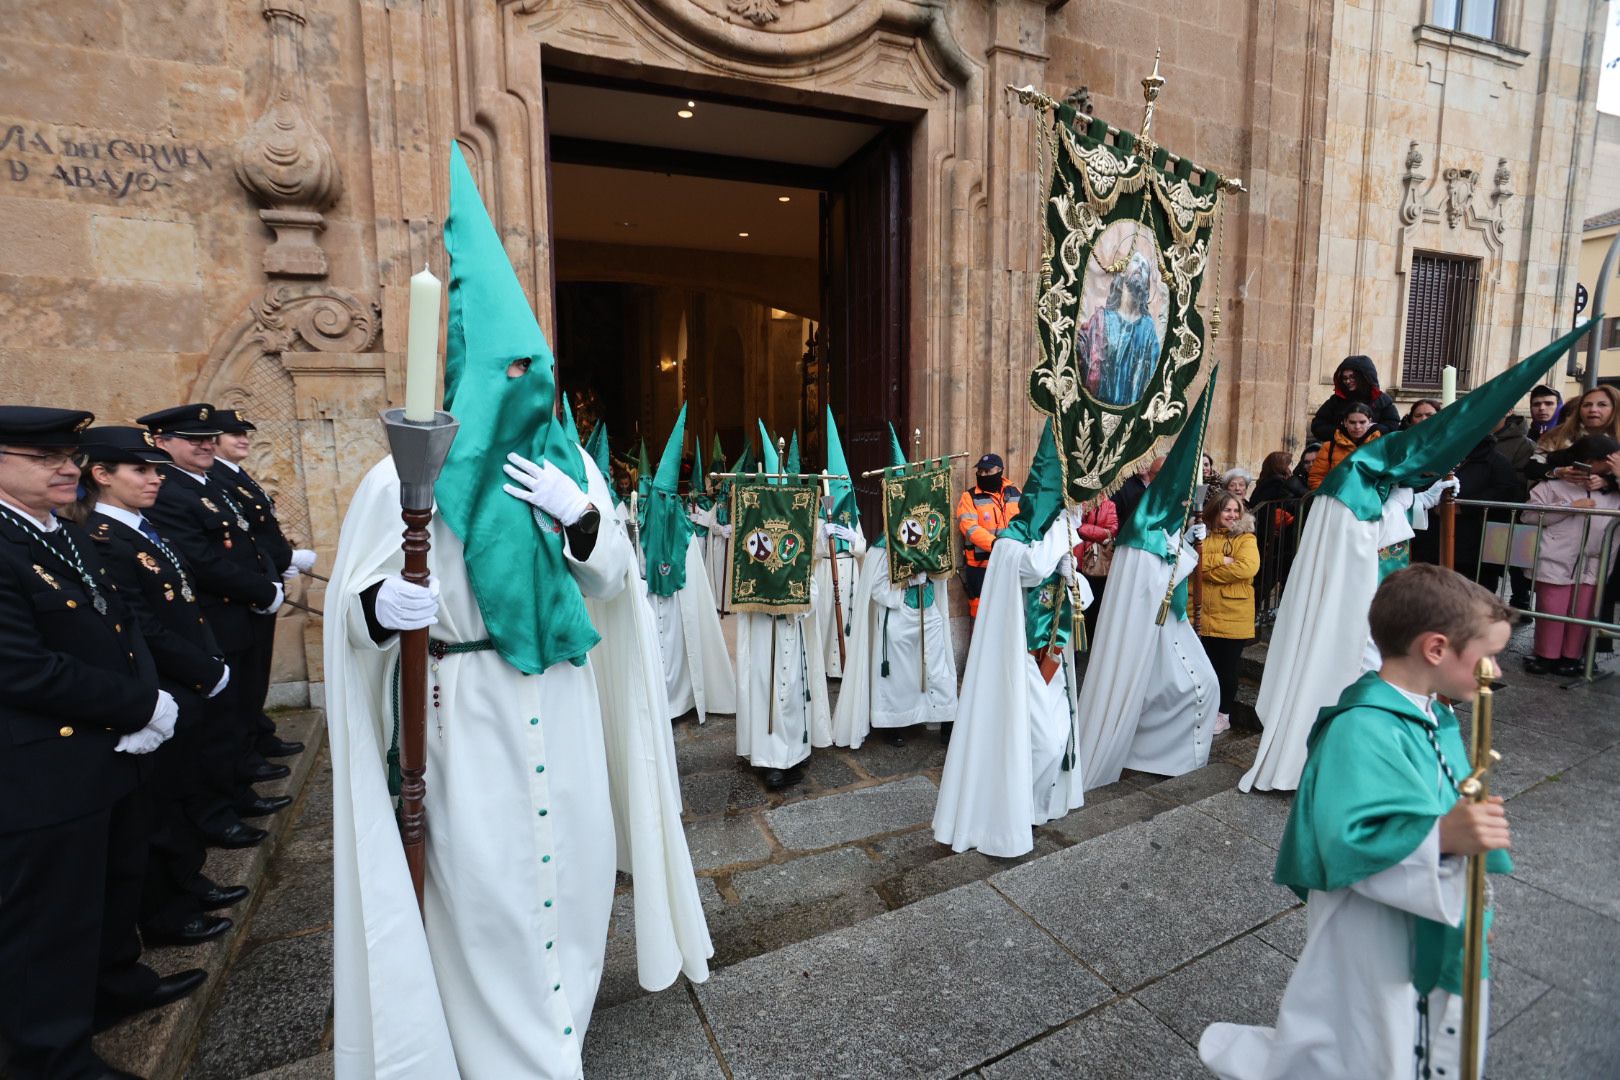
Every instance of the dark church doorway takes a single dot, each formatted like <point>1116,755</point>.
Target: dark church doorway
<point>748,261</point>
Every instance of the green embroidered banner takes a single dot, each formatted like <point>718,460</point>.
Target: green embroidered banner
<point>773,528</point>
<point>917,521</point>
<point>1122,342</point>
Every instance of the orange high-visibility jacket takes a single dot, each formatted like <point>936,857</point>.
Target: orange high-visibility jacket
<point>980,518</point>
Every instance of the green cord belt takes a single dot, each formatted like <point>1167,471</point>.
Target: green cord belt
<point>438,650</point>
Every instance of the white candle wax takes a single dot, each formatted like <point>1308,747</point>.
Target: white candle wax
<point>1448,385</point>
<point>422,348</point>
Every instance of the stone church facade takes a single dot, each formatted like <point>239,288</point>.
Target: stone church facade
<point>225,201</point>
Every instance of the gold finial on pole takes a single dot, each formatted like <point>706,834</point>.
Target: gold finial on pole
<point>781,456</point>
<point>1151,86</point>
<point>1476,788</point>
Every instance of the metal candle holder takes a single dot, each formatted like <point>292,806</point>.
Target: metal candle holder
<point>419,451</point>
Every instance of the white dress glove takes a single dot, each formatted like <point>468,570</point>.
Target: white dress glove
<point>1065,568</point>
<point>917,579</point>
<point>724,531</point>
<point>839,532</point>
<point>403,606</point>
<point>546,488</point>
<point>157,730</point>
<point>303,560</point>
<point>224,681</point>
<point>1196,532</point>
<point>273,606</point>
<point>1451,484</point>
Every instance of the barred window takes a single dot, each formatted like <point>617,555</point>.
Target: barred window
<point>1442,294</point>
<point>1476,18</point>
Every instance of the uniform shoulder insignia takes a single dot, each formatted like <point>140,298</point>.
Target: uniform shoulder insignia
<point>102,531</point>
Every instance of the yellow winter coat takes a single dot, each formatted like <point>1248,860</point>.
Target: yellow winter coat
<point>1229,587</point>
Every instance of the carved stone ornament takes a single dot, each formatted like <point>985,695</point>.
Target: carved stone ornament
<point>1412,180</point>
<point>1459,193</point>
<point>290,318</point>
<point>758,12</point>
<point>284,160</point>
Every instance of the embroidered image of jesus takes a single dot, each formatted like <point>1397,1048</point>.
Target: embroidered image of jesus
<point>1118,344</point>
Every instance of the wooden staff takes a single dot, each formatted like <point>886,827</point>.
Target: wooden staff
<point>832,561</point>
<point>1196,589</point>
<point>922,613</point>
<point>1448,529</point>
<point>1477,789</point>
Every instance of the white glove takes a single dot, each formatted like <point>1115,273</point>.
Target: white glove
<point>157,730</point>
<point>1065,568</point>
<point>303,560</point>
<point>546,488</point>
<point>917,579</point>
<point>224,681</point>
<point>724,531</point>
<point>403,606</point>
<point>1196,532</point>
<point>164,714</point>
<point>143,741</point>
<point>839,532</point>
<point>697,519</point>
<point>274,605</point>
<point>1451,484</point>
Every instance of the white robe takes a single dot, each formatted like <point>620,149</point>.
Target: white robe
<point>697,666</point>
<point>797,685</point>
<point>1350,1009</point>
<point>526,778</point>
<point>1150,695</point>
<point>1320,642</point>
<point>849,574</point>
<point>1003,773</point>
<point>716,554</point>
<point>869,699</point>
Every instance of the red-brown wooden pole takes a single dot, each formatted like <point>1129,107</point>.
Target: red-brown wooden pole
<point>413,673</point>
<point>1448,530</point>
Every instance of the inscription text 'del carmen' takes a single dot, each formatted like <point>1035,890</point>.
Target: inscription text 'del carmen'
<point>113,166</point>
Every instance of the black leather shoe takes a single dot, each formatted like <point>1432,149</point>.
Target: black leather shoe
<point>236,835</point>
<point>261,773</point>
<point>775,779</point>
<point>1538,665</point>
<point>263,806</point>
<point>895,737</point>
<point>945,734</point>
<point>222,896</point>
<point>1570,668</point>
<point>170,988</point>
<point>195,931</point>
<point>273,746</point>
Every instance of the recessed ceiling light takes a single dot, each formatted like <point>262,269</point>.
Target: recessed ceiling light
<point>691,104</point>
<point>684,114</point>
<point>627,224</point>
<point>784,198</point>
<point>742,234</point>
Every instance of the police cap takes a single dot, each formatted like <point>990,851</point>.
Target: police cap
<point>232,422</point>
<point>122,445</point>
<point>34,425</point>
<point>187,421</point>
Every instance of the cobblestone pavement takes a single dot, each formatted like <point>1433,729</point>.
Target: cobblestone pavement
<point>848,943</point>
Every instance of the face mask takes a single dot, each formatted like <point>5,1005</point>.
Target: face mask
<point>990,483</point>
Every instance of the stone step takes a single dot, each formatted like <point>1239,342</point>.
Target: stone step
<point>159,1044</point>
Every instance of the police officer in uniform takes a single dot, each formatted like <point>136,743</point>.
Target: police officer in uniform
<point>81,701</point>
<point>188,779</point>
<point>234,580</point>
<point>260,510</point>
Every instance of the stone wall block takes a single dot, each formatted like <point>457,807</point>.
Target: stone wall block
<point>189,30</point>
<point>47,238</point>
<point>143,249</point>
<point>52,22</point>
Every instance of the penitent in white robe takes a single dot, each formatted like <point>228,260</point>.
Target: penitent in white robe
<point>528,778</point>
<point>1004,771</point>
<point>868,698</point>
<point>697,666</point>
<point>780,736</point>
<point>1350,1011</point>
<point>716,554</point>
<point>1150,695</point>
<point>849,574</point>
<point>1320,643</point>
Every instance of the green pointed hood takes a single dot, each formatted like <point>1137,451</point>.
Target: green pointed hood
<point>743,464</point>
<point>717,453</point>
<point>1419,455</point>
<point>1043,492</point>
<point>597,447</point>
<point>666,530</point>
<point>897,452</point>
<point>531,606</point>
<point>769,457</point>
<point>844,510</point>
<point>1164,506</point>
<point>699,478</point>
<point>644,472</point>
<point>793,456</point>
<point>569,427</point>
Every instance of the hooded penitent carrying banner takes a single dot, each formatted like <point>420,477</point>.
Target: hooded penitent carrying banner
<point>1122,343</point>
<point>844,510</point>
<point>774,523</point>
<point>667,531</point>
<point>1321,629</point>
<point>698,486</point>
<point>1150,695</point>
<point>917,521</point>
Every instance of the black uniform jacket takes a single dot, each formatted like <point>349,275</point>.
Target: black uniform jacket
<point>156,591</point>
<point>260,510</point>
<point>231,575</point>
<point>74,680</point>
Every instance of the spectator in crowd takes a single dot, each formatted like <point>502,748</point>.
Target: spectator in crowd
<point>1208,480</point>
<point>1307,458</point>
<point>1095,553</point>
<point>1355,382</point>
<point>1237,481</point>
<point>1596,412</point>
<point>1230,563</point>
<point>1544,405</point>
<point>1354,431</point>
<point>1421,410</point>
<point>1277,481</point>
<point>1483,474</point>
<point>1131,491</point>
<point>982,514</point>
<point>1571,548</point>
<point>1517,448</point>
<point>1276,507</point>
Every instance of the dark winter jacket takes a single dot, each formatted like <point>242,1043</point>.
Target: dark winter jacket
<point>1385,416</point>
<point>1514,444</point>
<point>1486,475</point>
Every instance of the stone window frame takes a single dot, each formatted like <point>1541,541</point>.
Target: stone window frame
<point>1503,48</point>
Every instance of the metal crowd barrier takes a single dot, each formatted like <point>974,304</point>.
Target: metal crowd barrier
<point>1277,525</point>
<point>1512,533</point>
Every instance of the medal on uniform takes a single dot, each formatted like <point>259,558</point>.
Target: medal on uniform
<point>241,523</point>
<point>98,602</point>
<point>186,594</point>
<point>168,592</point>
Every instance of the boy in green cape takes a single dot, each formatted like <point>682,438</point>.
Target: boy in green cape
<point>1377,845</point>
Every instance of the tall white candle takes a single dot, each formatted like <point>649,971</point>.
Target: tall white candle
<point>1448,385</point>
<point>422,348</point>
